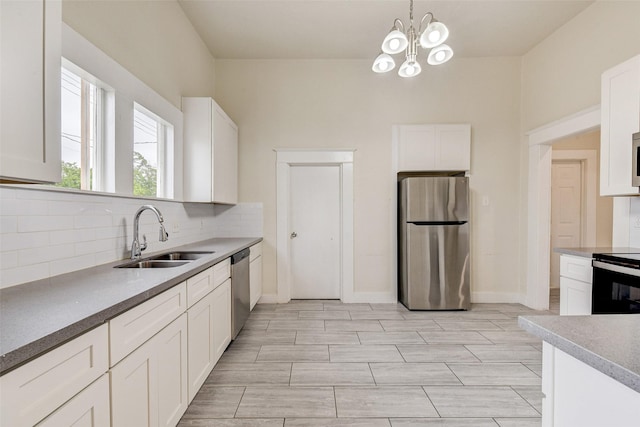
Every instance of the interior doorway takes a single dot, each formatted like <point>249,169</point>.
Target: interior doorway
<point>313,186</point>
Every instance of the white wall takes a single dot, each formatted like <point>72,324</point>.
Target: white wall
<point>342,104</point>
<point>561,75</point>
<point>46,233</point>
<point>154,40</point>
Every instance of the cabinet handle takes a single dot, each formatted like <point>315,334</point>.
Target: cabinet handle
<point>294,235</point>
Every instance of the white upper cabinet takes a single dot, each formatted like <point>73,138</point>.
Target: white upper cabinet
<point>30,91</point>
<point>210,153</point>
<point>620,119</point>
<point>433,147</point>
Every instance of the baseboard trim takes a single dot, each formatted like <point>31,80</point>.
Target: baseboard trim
<point>358,297</point>
<point>497,297</point>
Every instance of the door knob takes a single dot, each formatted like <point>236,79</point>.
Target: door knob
<point>294,235</point>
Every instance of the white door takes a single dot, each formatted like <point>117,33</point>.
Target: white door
<point>314,231</point>
<point>566,211</point>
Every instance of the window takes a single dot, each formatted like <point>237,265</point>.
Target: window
<point>152,155</point>
<point>82,128</point>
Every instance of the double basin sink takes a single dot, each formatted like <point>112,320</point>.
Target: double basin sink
<point>166,260</point>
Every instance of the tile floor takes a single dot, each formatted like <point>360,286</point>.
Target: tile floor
<point>324,363</point>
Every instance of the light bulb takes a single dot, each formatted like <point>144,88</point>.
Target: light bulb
<point>434,36</point>
<point>394,44</point>
<point>410,69</point>
<point>440,55</point>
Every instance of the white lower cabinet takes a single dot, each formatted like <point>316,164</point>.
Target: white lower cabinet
<point>221,319</point>
<point>90,408</point>
<point>255,274</point>
<point>575,285</point>
<point>37,389</point>
<point>575,394</point>
<point>200,341</point>
<point>149,386</point>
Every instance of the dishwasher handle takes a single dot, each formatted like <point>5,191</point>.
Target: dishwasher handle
<point>239,256</point>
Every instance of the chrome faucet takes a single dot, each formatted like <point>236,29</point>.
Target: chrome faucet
<point>136,247</point>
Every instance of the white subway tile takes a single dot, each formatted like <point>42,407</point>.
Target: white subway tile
<point>68,265</point>
<point>45,254</point>
<point>8,224</point>
<point>71,236</point>
<point>91,221</point>
<point>28,224</point>
<point>19,275</point>
<point>16,241</point>
<point>8,259</point>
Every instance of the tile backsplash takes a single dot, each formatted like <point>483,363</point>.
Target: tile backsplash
<point>47,233</point>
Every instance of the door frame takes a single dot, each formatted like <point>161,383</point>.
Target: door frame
<point>539,143</point>
<point>285,158</point>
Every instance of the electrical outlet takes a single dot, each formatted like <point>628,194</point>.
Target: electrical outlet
<point>485,200</point>
<point>176,227</point>
<point>636,223</point>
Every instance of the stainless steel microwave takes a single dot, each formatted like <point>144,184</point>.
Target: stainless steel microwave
<point>635,173</point>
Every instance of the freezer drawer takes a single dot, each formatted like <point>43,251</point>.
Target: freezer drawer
<point>434,274</point>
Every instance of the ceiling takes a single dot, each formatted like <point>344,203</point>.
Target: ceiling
<point>352,29</point>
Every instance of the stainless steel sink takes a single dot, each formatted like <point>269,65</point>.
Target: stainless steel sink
<point>181,255</point>
<point>166,260</point>
<point>152,263</point>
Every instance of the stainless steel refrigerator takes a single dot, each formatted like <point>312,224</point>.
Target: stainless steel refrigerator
<point>433,242</point>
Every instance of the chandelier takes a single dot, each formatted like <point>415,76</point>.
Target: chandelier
<point>434,35</point>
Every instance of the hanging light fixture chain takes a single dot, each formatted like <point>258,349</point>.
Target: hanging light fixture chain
<point>411,13</point>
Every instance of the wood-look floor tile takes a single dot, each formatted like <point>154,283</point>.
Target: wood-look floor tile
<point>233,422</point>
<point>352,325</point>
<point>519,422</point>
<point>337,422</point>
<point>510,337</point>
<point>436,353</point>
<point>413,374</point>
<point>398,307</point>
<point>299,402</point>
<point>309,337</point>
<point>293,353</point>
<point>409,325</point>
<point>383,402</point>
<point>296,325</point>
<point>533,395</point>
<point>255,324</point>
<point>215,402</point>
<point>365,353</point>
<point>274,315</point>
<point>300,306</point>
<point>390,338</point>
<point>507,325</point>
<point>454,337</point>
<point>325,315</point>
<point>240,353</point>
<point>467,325</point>
<point>266,337</point>
<point>331,373</point>
<point>505,353</point>
<point>348,307</point>
<point>479,402</point>
<point>442,422</point>
<point>248,374</point>
<point>376,315</point>
<point>536,368</point>
<point>494,374</point>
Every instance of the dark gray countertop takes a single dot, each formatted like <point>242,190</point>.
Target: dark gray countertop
<point>36,317</point>
<point>588,252</point>
<point>609,343</point>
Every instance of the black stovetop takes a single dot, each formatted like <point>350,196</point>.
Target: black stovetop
<point>626,259</point>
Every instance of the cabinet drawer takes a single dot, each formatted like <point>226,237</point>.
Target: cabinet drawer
<point>221,272</point>
<point>132,328</point>
<point>89,408</point>
<point>255,251</point>
<point>575,297</point>
<point>38,388</point>
<point>199,285</point>
<point>576,268</point>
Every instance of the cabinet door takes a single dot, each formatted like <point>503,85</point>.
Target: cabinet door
<point>33,391</point>
<point>620,119</point>
<point>90,408</point>
<point>134,388</point>
<point>225,158</point>
<point>171,353</point>
<point>255,280</point>
<point>453,147</point>
<point>575,297</point>
<point>200,320</point>
<point>149,386</point>
<point>416,148</point>
<point>30,88</point>
<point>222,319</point>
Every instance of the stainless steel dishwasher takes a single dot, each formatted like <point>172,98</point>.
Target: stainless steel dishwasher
<point>240,299</point>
